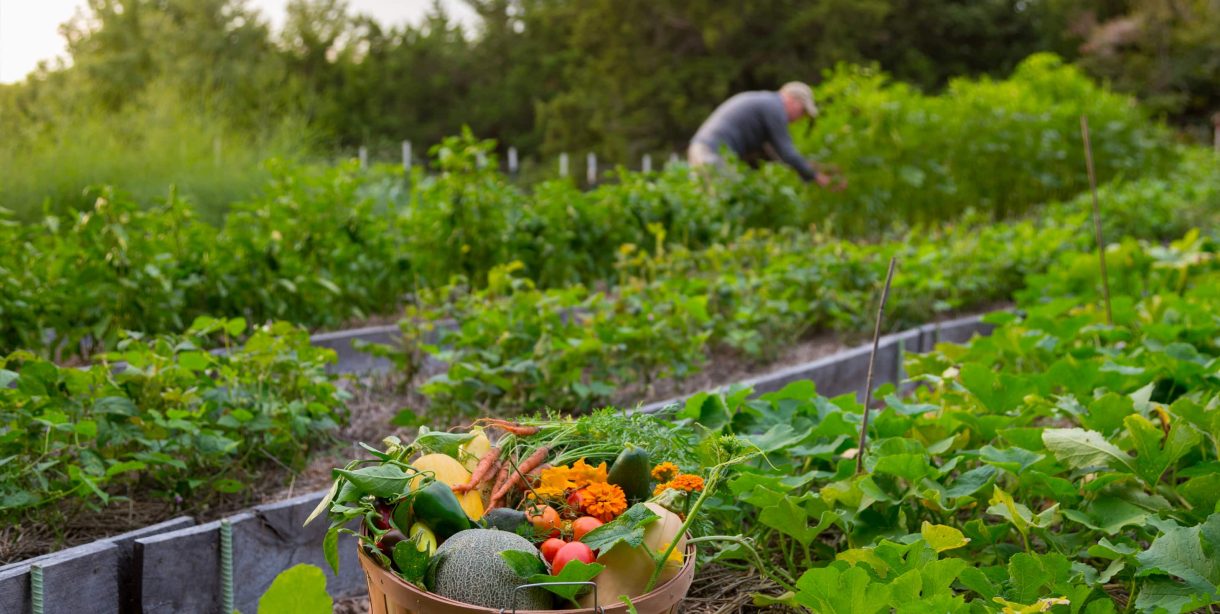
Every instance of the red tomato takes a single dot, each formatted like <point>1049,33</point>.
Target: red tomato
<point>574,551</point>
<point>576,502</point>
<point>551,547</point>
<point>546,521</point>
<point>583,525</point>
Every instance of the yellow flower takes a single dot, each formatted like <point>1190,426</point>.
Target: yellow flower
<point>554,482</point>
<point>583,474</point>
<point>604,501</point>
<point>665,472</point>
<point>675,558</point>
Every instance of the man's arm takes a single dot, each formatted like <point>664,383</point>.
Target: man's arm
<point>781,140</point>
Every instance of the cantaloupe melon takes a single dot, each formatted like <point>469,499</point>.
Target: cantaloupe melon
<point>468,568</point>
<point>449,471</point>
<point>628,569</point>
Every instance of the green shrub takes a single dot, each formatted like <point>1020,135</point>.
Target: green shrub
<point>995,146</point>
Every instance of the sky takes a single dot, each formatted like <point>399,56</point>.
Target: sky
<point>29,29</point>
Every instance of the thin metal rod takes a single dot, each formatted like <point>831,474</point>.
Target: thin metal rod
<point>226,565</point>
<point>36,590</point>
<point>1101,246</point>
<point>872,360</point>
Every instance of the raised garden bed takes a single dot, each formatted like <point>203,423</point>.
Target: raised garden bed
<point>147,567</point>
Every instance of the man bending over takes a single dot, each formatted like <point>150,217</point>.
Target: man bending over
<point>751,121</point>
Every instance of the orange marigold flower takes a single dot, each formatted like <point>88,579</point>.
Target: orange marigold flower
<point>605,501</point>
<point>687,482</point>
<point>662,487</point>
<point>665,472</point>
<point>582,474</point>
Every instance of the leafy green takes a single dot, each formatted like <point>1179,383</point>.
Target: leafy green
<point>569,583</point>
<point>628,528</point>
<point>410,561</point>
<point>385,481</point>
<point>300,588</point>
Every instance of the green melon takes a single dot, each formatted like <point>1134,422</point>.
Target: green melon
<point>468,568</point>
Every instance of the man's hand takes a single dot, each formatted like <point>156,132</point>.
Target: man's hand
<point>829,176</point>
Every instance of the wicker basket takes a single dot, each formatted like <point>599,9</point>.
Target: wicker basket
<point>390,594</point>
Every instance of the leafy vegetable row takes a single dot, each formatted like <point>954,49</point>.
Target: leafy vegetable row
<point>323,246</point>
<point>517,347</point>
<point>1062,464</point>
<point>173,421</point>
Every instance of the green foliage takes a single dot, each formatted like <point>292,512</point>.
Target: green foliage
<point>1160,51</point>
<point>998,147</point>
<point>532,570</point>
<point>518,348</point>
<point>628,529</point>
<point>618,77</point>
<point>162,416</point>
<point>300,588</point>
<point>1047,501</point>
<point>324,246</point>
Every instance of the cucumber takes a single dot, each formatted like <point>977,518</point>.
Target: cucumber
<point>631,471</point>
<point>506,519</point>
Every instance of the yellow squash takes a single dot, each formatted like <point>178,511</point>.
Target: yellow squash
<point>449,471</point>
<point>471,452</point>
<point>628,569</point>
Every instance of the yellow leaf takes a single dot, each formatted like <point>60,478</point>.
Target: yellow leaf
<point>855,556</point>
<point>941,537</point>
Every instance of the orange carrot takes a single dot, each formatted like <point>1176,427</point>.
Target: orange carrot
<point>520,430</point>
<point>529,465</point>
<point>505,468</point>
<point>481,472</point>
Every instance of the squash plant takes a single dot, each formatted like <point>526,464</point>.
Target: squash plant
<point>1060,464</point>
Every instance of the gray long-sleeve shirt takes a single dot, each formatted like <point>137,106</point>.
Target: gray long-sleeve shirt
<point>747,121</point>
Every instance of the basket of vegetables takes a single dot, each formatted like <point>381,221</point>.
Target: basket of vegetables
<point>537,515</point>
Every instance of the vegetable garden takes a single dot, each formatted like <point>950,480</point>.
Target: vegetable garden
<point>1066,462</point>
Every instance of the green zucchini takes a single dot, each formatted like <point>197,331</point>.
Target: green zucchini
<point>631,471</point>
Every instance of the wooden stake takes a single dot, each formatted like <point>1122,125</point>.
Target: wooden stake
<point>872,359</point>
<point>1216,134</point>
<point>1101,246</point>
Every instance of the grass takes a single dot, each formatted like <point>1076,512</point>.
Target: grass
<point>143,149</point>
